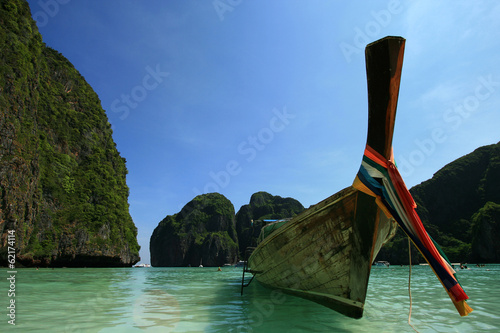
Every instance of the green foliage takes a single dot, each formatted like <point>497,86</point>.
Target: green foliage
<point>203,231</point>
<point>262,206</point>
<point>61,132</point>
<point>486,233</point>
<point>457,207</point>
<point>68,184</point>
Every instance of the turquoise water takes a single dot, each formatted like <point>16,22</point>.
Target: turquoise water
<point>205,300</point>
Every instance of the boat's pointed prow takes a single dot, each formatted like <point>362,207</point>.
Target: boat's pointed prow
<point>384,63</point>
<point>325,253</point>
<point>378,175</point>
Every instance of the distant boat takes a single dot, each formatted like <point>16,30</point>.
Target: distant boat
<point>142,265</point>
<point>381,263</point>
<point>325,253</point>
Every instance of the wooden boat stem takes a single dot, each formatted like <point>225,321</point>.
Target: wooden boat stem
<point>384,63</point>
<point>325,253</point>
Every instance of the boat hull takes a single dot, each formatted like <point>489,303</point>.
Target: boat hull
<point>325,253</point>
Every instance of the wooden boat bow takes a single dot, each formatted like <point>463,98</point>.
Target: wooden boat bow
<point>325,253</point>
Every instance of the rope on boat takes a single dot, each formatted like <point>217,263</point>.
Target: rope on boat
<point>409,285</point>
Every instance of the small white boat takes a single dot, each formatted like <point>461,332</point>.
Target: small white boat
<point>381,263</point>
<point>142,265</point>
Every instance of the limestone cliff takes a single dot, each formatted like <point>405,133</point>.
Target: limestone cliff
<point>201,233</point>
<point>460,208</point>
<point>262,206</point>
<point>486,242</point>
<point>62,181</point>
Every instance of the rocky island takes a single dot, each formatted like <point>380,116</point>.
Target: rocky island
<point>202,233</point>
<point>207,232</point>
<point>262,206</point>
<point>460,207</point>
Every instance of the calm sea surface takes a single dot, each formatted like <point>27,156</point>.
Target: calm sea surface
<point>205,300</point>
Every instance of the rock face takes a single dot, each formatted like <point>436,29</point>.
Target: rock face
<point>485,244</point>
<point>459,207</point>
<point>262,206</point>
<point>201,233</point>
<point>62,181</point>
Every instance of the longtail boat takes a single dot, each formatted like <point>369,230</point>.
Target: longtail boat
<point>325,254</point>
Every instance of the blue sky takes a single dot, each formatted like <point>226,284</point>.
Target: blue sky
<point>239,96</point>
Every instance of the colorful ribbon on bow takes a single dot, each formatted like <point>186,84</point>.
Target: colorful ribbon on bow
<point>380,178</point>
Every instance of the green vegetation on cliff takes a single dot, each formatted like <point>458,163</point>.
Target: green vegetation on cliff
<point>62,180</point>
<point>486,234</point>
<point>201,233</point>
<point>459,207</point>
<point>262,206</point>
<point>205,230</point>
